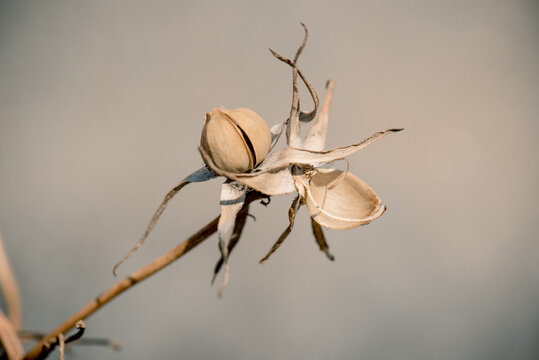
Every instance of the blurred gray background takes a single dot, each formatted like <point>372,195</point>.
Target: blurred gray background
<point>101,107</point>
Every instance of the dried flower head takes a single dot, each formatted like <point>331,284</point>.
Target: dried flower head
<point>237,144</point>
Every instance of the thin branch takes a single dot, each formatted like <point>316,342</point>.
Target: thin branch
<point>135,277</point>
<point>26,335</point>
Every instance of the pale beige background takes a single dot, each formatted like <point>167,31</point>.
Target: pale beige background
<point>101,107</point>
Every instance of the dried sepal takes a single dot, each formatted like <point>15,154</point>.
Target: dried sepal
<point>232,200</point>
<point>289,155</point>
<point>321,239</point>
<point>348,204</point>
<point>201,175</point>
<point>291,219</point>
<point>316,137</point>
<point>241,219</point>
<point>276,181</point>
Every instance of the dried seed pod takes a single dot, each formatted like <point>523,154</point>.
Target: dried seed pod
<point>237,140</point>
<point>340,200</point>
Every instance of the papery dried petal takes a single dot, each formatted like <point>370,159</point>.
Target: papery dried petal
<point>289,155</point>
<point>349,203</point>
<point>232,200</point>
<point>316,137</point>
<point>276,131</point>
<point>276,181</point>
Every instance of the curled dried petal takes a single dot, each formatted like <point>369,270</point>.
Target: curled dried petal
<point>316,138</point>
<point>201,175</point>
<point>348,204</point>
<point>286,156</point>
<point>276,181</point>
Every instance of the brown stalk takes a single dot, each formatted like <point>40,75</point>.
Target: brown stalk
<point>134,278</point>
<point>10,289</point>
<point>125,284</point>
<point>9,339</point>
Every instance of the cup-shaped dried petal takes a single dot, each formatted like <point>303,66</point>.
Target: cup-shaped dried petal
<point>237,140</point>
<point>340,201</point>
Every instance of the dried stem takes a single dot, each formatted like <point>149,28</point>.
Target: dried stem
<point>125,284</point>
<point>8,339</point>
<point>10,289</point>
<point>134,278</point>
<point>26,335</point>
<point>62,343</point>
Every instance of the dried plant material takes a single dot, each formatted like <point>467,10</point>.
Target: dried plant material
<point>10,288</point>
<point>348,204</point>
<point>276,181</point>
<point>241,219</point>
<point>291,218</point>
<point>335,199</point>
<point>9,339</point>
<point>316,137</point>
<point>232,200</point>
<point>62,346</point>
<point>200,175</point>
<point>238,145</point>
<point>236,140</point>
<point>321,239</point>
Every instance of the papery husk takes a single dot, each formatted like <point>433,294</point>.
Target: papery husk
<point>341,201</point>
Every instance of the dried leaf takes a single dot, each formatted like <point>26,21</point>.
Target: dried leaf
<point>348,204</point>
<point>291,218</point>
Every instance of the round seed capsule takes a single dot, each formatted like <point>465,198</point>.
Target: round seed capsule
<point>237,140</point>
